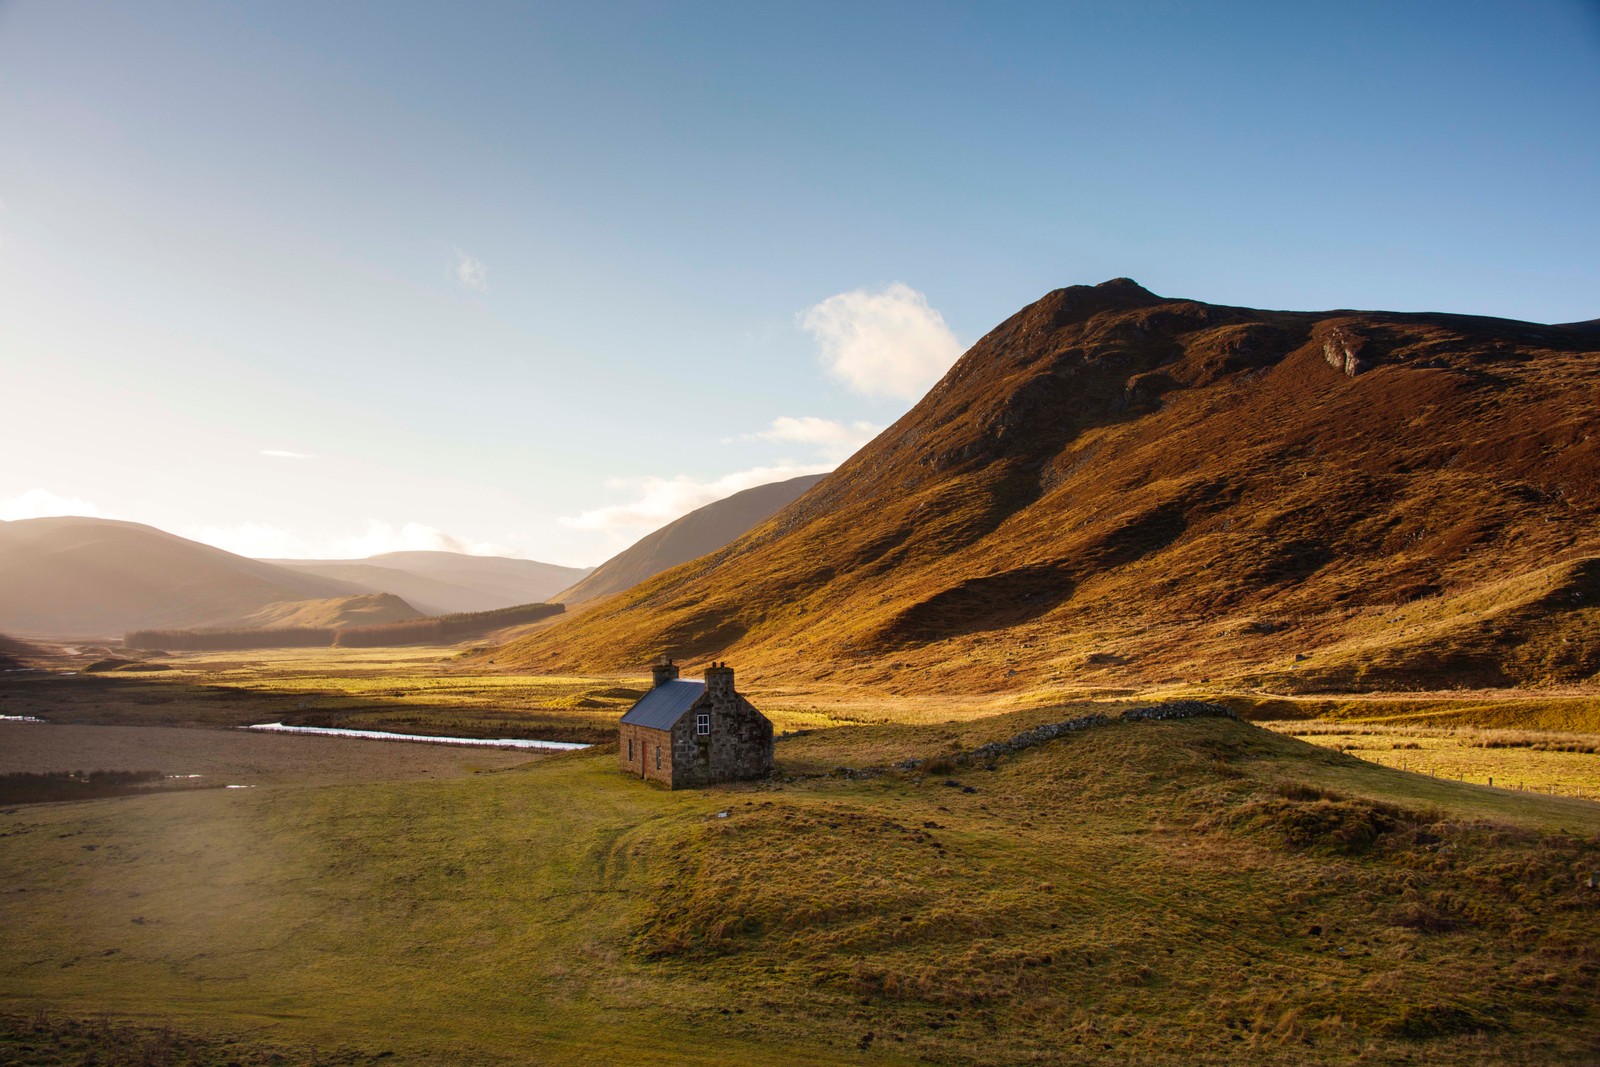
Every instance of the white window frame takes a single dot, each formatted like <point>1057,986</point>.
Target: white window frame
<point>658,757</point>
<point>702,724</point>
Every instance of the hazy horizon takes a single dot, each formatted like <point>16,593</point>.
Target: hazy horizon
<point>324,282</point>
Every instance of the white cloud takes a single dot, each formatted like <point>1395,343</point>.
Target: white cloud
<point>657,501</point>
<point>283,453</point>
<point>888,343</point>
<point>39,503</point>
<point>833,439</point>
<point>264,541</point>
<point>471,272</point>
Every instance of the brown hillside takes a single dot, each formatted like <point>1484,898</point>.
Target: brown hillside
<point>1118,487</point>
<point>83,577</point>
<point>689,537</point>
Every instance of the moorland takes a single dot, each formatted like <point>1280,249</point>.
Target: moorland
<point>1208,889</point>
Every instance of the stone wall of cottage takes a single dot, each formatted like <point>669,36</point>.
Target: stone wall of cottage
<point>637,753</point>
<point>738,745</point>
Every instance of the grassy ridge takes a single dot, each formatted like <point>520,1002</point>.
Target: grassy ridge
<point>1186,892</point>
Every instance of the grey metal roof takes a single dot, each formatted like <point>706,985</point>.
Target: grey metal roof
<point>664,705</point>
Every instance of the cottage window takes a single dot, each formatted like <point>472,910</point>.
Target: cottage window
<point>658,757</point>
<point>630,750</point>
<point>702,724</point>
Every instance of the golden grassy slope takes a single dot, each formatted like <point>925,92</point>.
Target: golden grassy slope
<point>1120,489</point>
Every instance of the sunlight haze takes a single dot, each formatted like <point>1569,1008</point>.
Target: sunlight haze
<point>306,280</point>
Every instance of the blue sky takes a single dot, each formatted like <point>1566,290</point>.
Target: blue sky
<point>537,278</point>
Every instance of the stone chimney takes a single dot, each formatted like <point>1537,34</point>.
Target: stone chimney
<point>663,671</point>
<point>719,681</point>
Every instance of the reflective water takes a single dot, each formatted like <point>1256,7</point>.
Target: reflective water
<point>379,735</point>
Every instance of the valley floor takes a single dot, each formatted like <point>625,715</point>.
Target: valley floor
<point>1192,891</point>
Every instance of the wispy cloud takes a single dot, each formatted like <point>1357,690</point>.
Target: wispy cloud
<point>888,343</point>
<point>40,503</point>
<point>264,541</point>
<point>657,501</point>
<point>284,453</point>
<point>471,272</point>
<point>833,439</point>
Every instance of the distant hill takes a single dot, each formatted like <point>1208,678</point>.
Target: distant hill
<point>690,537</point>
<point>1114,487</point>
<point>85,577</point>
<point>441,583</point>
<point>362,609</point>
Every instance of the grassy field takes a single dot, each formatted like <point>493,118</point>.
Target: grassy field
<point>1197,891</point>
<point>402,690</point>
<point>1561,764</point>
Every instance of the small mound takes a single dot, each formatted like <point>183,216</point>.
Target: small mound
<point>123,666</point>
<point>101,666</point>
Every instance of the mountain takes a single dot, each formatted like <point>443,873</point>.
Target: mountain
<point>83,577</point>
<point>1114,487</point>
<point>442,583</point>
<point>702,530</point>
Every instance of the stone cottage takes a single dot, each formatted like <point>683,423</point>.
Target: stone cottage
<point>685,733</point>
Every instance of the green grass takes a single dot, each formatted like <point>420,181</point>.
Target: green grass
<point>486,916</point>
<point>1189,892</point>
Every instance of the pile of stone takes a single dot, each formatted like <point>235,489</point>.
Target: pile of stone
<point>1178,709</point>
<point>1030,738</point>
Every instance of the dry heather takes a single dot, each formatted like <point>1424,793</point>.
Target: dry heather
<point>1121,489</point>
